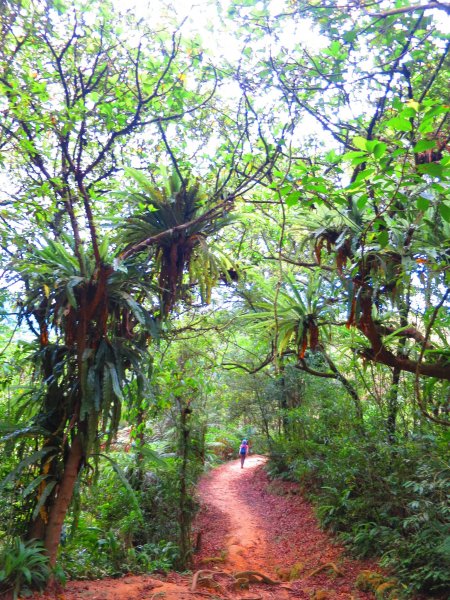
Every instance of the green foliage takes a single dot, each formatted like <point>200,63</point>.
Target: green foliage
<point>336,168</point>
<point>23,567</point>
<point>383,501</point>
<point>298,307</point>
<point>180,217</point>
<point>95,553</point>
<point>125,521</point>
<point>418,546</point>
<point>222,443</point>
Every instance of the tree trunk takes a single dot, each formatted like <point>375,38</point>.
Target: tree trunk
<point>392,400</point>
<point>184,510</point>
<point>264,420</point>
<point>140,443</point>
<point>62,499</point>
<point>351,391</point>
<point>391,422</point>
<point>284,409</point>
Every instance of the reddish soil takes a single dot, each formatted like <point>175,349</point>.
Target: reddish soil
<point>246,523</point>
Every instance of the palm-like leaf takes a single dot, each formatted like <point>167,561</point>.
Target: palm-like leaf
<point>108,305</point>
<point>294,320</point>
<point>180,219</point>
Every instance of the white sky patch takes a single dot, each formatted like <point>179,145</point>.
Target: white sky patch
<point>205,18</point>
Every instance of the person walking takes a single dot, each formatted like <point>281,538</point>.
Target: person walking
<point>243,451</point>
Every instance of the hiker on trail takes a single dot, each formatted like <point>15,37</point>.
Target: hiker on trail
<point>243,451</point>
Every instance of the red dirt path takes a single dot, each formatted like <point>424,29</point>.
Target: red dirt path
<point>245,523</point>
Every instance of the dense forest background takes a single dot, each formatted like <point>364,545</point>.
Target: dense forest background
<point>232,223</point>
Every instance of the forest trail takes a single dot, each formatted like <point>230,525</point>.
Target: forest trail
<point>249,523</point>
<point>246,523</point>
<point>244,545</point>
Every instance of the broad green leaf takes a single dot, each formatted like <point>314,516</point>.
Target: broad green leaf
<point>353,154</point>
<point>444,210</point>
<point>30,432</point>
<point>362,201</point>
<point>422,204</point>
<point>414,105</point>
<point>115,380</point>
<point>43,497</point>
<point>408,113</point>
<point>365,174</point>
<point>426,127</point>
<point>436,110</point>
<point>380,150</point>
<point>292,198</point>
<point>424,145</point>
<point>360,142</point>
<point>432,169</point>
<point>383,238</point>
<point>33,485</point>
<point>399,124</point>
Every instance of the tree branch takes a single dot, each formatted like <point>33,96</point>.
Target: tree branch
<point>214,213</point>
<point>380,354</point>
<point>412,8</point>
<point>266,362</point>
<point>302,366</point>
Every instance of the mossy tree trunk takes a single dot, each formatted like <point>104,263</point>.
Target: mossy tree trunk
<point>185,509</point>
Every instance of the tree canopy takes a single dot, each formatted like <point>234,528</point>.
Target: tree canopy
<point>258,218</point>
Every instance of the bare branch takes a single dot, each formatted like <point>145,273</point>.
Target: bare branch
<point>302,366</point>
<point>232,365</point>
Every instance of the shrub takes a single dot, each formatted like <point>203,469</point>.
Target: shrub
<point>388,501</point>
<point>24,567</point>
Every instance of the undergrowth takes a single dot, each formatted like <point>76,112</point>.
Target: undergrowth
<point>23,567</point>
<point>125,523</point>
<point>382,500</point>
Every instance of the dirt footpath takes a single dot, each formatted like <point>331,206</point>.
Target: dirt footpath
<point>243,537</point>
<point>248,523</point>
<point>256,540</point>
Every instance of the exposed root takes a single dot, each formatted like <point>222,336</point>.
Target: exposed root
<point>371,581</point>
<point>329,565</point>
<point>256,577</point>
<point>291,573</point>
<point>196,576</point>
<point>239,581</point>
<point>205,575</point>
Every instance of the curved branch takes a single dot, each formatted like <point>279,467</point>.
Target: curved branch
<point>300,263</point>
<point>379,353</point>
<point>266,362</point>
<point>302,366</point>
